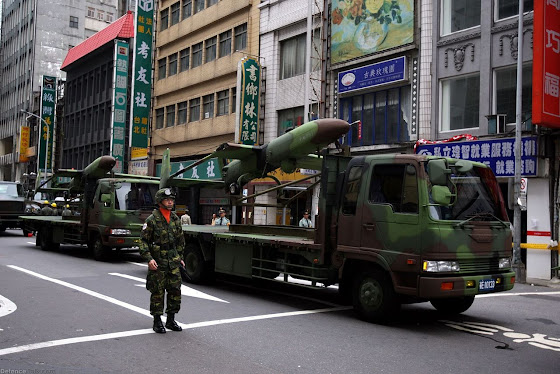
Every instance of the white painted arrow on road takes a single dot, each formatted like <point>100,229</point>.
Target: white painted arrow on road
<point>6,307</point>
<point>187,291</point>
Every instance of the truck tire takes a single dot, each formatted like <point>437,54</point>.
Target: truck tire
<point>195,270</point>
<point>45,240</point>
<point>373,297</point>
<point>100,252</point>
<point>452,306</point>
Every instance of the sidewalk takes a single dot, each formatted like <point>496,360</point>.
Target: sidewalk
<point>554,282</point>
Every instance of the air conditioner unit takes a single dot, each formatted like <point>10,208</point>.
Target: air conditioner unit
<point>206,115</point>
<point>496,123</point>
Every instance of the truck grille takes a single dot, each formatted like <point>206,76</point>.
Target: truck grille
<point>17,207</point>
<point>469,266</point>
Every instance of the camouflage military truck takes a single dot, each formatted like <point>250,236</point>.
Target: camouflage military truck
<point>391,229</point>
<point>111,210</point>
<point>13,204</point>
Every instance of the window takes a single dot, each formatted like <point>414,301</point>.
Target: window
<point>210,49</point>
<point>208,106</point>
<point>159,118</point>
<point>185,54</point>
<point>459,103</point>
<point>182,112</point>
<point>505,90</point>
<point>170,115</point>
<point>211,2</point>
<point>100,15</point>
<point>384,117</point>
<point>73,22</point>
<point>396,185</point>
<point>187,8</point>
<point>91,12</point>
<point>161,68</point>
<point>194,110</point>
<point>510,8</point>
<point>292,57</point>
<point>225,43</point>
<point>288,119</point>
<point>233,100</point>
<point>198,6</point>
<point>197,55</point>
<point>164,19</point>
<point>459,15</point>
<point>175,13</point>
<point>173,64</point>
<point>241,37</point>
<point>109,17</point>
<point>352,190</point>
<point>223,103</point>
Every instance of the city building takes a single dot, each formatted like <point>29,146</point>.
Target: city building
<point>199,44</point>
<point>35,41</point>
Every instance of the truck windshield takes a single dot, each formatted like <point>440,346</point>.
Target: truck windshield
<point>134,196</point>
<point>478,197</point>
<point>10,189</point>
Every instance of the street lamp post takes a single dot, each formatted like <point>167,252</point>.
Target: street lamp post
<point>39,140</point>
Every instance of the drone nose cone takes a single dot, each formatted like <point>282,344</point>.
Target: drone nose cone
<point>329,130</point>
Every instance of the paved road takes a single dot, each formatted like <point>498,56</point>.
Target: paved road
<point>62,312</point>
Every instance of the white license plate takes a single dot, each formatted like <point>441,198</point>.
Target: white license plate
<point>486,285</point>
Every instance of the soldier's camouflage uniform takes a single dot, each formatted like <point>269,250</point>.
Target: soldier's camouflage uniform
<point>163,242</point>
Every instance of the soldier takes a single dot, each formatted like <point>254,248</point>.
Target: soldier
<point>185,218</point>
<point>54,209</point>
<point>305,221</point>
<point>46,210</point>
<point>66,212</point>
<point>222,221</point>
<point>162,244</point>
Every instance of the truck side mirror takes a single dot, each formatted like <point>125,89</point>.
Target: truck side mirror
<point>106,199</point>
<point>441,195</point>
<point>438,172</point>
<point>463,166</point>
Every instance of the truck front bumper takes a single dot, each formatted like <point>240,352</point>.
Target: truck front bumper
<point>458,286</point>
<point>122,241</point>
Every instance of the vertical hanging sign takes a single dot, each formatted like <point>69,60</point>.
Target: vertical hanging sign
<point>248,93</point>
<point>142,80</point>
<point>118,113</point>
<point>24,143</point>
<point>48,101</point>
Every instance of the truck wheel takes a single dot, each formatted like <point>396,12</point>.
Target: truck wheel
<point>374,298</point>
<point>46,241</point>
<point>453,306</point>
<point>195,267</point>
<point>100,252</point>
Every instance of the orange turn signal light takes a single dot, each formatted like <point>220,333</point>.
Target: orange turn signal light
<point>446,286</point>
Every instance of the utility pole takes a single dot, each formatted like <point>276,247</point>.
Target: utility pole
<point>518,266</point>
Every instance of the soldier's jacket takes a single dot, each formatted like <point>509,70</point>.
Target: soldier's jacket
<point>162,241</point>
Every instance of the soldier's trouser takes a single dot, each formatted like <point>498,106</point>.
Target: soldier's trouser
<point>157,283</point>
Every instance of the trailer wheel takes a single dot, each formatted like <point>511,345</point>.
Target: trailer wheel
<point>45,240</point>
<point>100,252</point>
<point>195,270</point>
<point>453,306</point>
<point>373,297</point>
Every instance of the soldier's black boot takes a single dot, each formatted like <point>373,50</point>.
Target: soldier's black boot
<point>171,324</point>
<point>158,325</point>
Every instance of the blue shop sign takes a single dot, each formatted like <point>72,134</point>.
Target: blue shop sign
<point>377,74</point>
<point>496,153</point>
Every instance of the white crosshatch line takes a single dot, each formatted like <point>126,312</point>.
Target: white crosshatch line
<point>83,339</point>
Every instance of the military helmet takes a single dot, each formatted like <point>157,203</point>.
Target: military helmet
<point>46,202</point>
<point>164,193</point>
<point>53,205</point>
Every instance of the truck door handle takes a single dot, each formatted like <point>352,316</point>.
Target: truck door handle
<point>369,226</point>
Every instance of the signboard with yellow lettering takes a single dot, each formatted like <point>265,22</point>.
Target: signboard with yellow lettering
<point>23,143</point>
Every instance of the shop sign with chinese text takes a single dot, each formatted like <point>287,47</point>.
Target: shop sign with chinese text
<point>496,153</point>
<point>120,80</point>
<point>48,103</point>
<point>378,74</point>
<point>142,78</point>
<point>248,92</point>
<point>209,169</point>
<point>23,143</point>
<point>546,64</point>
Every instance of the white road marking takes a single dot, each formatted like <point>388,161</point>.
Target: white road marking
<point>517,294</point>
<point>187,291</point>
<point>31,243</point>
<point>84,290</point>
<point>138,264</point>
<point>6,306</point>
<point>114,335</point>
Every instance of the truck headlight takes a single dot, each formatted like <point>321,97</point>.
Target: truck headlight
<point>504,263</point>
<point>120,232</point>
<point>440,266</point>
